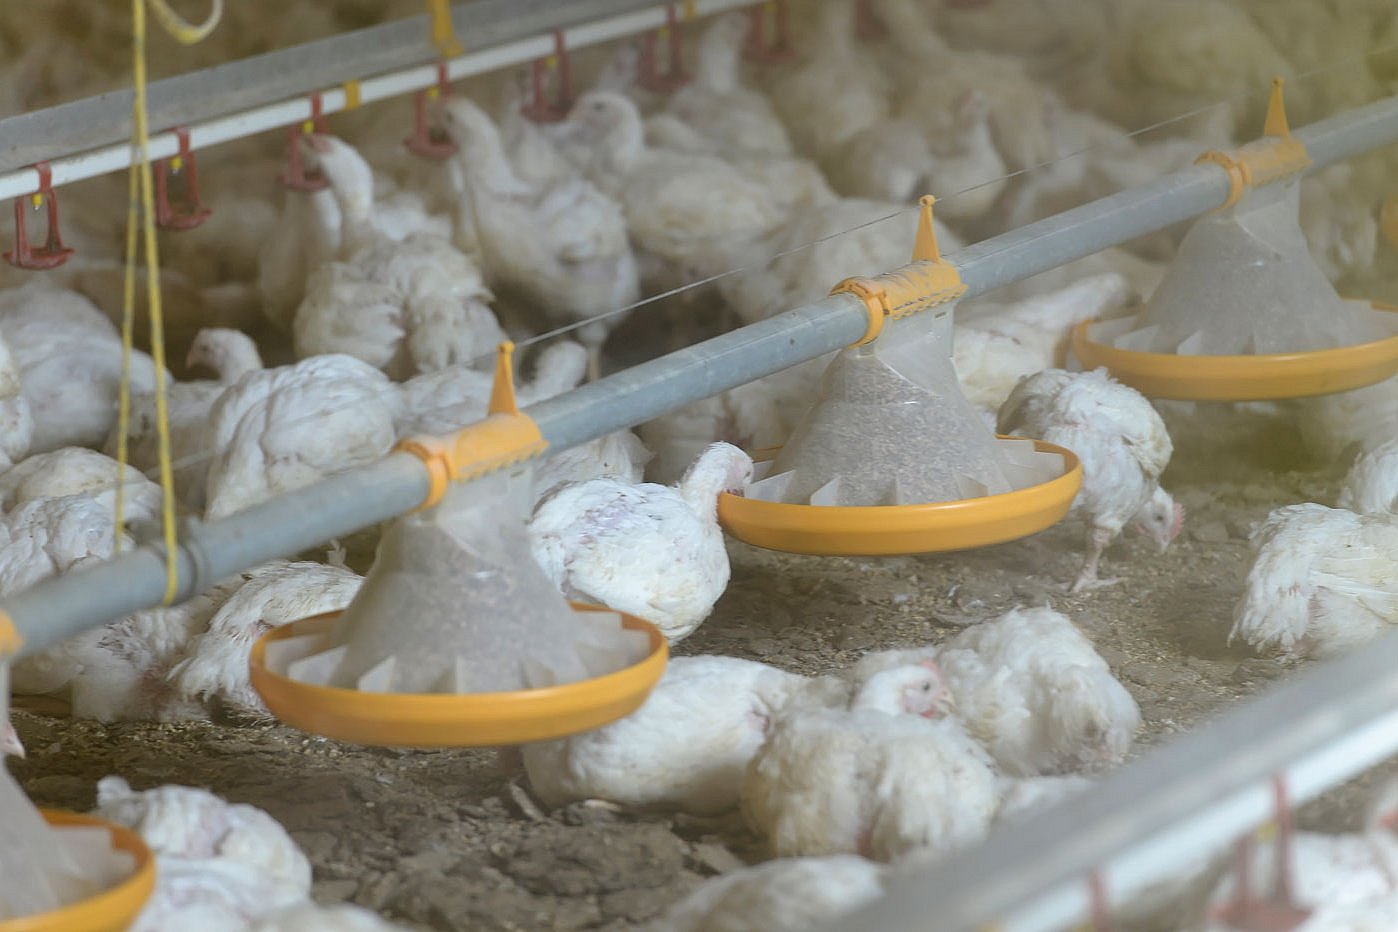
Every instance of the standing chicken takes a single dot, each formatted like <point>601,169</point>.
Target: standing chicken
<point>687,747</point>
<point>732,117</point>
<point>1123,446</point>
<point>651,550</point>
<point>561,248</point>
<point>1033,690</point>
<point>229,354</point>
<point>1322,581</point>
<point>677,205</point>
<point>405,306</point>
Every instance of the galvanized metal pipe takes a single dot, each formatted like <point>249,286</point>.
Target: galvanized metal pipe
<point>91,137</point>
<point>60,607</point>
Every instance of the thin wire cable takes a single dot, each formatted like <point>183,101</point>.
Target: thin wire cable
<point>196,459</point>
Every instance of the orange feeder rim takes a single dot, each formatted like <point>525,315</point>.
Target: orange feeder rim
<point>440,720</point>
<point>1243,378</point>
<point>114,909</point>
<point>895,530</point>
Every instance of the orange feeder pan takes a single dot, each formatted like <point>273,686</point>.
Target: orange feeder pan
<point>1243,378</point>
<point>442,720</point>
<point>894,530</point>
<point>113,910</point>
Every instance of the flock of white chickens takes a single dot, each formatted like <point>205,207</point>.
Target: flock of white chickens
<point>369,310</point>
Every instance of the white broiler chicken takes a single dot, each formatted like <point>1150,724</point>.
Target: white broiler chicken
<point>280,429</point>
<point>16,417</point>
<point>677,205</point>
<point>785,895</point>
<point>830,781</point>
<point>994,346</point>
<point>229,354</point>
<point>715,102</point>
<point>214,668</point>
<point>933,80</point>
<point>621,455</point>
<point>80,471</point>
<point>1330,874</point>
<point>560,248</point>
<point>1035,692</point>
<point>306,236</point>
<point>831,94</point>
<point>1371,487</point>
<point>115,672</point>
<point>404,306</point>
<point>650,550</point>
<point>1123,446</point>
<point>687,747</point>
<point>218,865</point>
<point>69,357</point>
<point>1322,581</point>
<point>1337,427</point>
<point>317,917</point>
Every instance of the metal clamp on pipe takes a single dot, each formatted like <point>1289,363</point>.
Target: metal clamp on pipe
<point>504,438</point>
<point>926,282</point>
<point>1275,157</point>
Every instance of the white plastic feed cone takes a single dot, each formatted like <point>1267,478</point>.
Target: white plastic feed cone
<point>456,604</point>
<point>43,868</point>
<point>1245,283</point>
<point>891,427</point>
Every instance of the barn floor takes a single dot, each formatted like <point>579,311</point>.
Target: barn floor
<point>444,840</point>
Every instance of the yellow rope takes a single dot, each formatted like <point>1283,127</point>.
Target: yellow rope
<point>186,34</point>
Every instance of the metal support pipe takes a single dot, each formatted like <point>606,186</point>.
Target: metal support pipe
<point>62,606</point>
<point>52,610</point>
<point>91,137</point>
<point>1162,813</point>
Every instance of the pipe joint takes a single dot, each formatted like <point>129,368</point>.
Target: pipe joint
<point>497,442</point>
<point>912,289</point>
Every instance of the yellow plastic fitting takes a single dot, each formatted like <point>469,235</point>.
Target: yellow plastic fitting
<point>112,910</point>
<point>352,94</point>
<point>926,282</point>
<point>1275,157</point>
<point>10,638</point>
<point>504,438</point>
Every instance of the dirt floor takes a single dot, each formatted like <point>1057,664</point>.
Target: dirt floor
<point>446,841</point>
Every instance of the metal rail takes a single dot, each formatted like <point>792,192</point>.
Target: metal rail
<point>91,137</point>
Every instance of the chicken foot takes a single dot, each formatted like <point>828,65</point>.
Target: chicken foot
<point>1097,540</point>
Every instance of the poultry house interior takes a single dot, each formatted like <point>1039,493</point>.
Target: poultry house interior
<point>826,723</point>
